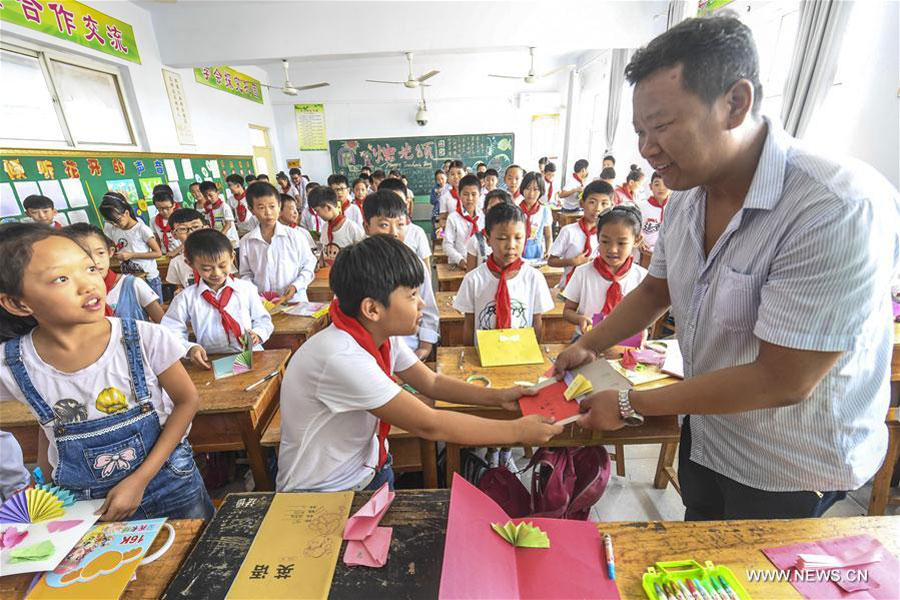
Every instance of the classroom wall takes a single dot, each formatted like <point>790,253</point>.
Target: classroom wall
<point>220,120</point>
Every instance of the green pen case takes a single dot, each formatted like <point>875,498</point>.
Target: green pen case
<point>682,570</point>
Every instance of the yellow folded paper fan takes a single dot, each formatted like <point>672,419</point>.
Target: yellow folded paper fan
<point>580,386</point>
<point>31,506</point>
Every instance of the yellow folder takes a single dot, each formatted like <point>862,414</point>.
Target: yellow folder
<point>508,347</point>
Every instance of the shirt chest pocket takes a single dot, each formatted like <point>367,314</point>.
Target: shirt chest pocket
<point>736,304</point>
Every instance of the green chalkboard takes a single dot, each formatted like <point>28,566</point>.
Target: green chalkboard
<point>76,182</point>
<point>419,157</point>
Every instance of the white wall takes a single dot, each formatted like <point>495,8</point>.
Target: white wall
<point>220,120</point>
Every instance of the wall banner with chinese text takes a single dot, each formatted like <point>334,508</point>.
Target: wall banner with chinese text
<point>74,22</point>
<point>228,80</point>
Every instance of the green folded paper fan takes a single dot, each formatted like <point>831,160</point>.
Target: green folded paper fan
<point>63,494</point>
<point>30,506</point>
<point>523,535</point>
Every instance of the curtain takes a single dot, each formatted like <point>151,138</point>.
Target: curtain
<point>678,12</point>
<point>814,61</point>
<point>616,83</point>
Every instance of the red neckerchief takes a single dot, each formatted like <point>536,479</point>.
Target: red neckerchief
<point>516,194</point>
<point>165,228</point>
<point>454,193</point>
<point>501,298</point>
<point>334,224</point>
<point>654,202</point>
<point>229,324</point>
<point>588,234</point>
<point>359,204</point>
<point>577,178</point>
<point>528,214</point>
<point>382,356</point>
<point>344,206</point>
<point>211,212</point>
<point>56,225</point>
<point>614,292</point>
<point>241,207</point>
<point>625,191</point>
<point>472,220</point>
<point>109,280</point>
<point>549,189</point>
<point>315,216</point>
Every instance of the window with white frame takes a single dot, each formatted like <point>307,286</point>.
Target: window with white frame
<point>60,100</point>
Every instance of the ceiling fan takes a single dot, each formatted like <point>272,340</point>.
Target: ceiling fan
<point>411,81</point>
<point>531,76</point>
<point>289,88</point>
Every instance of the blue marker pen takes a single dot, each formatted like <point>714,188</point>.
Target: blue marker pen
<point>610,561</point>
<point>659,592</point>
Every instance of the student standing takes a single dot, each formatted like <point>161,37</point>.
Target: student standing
<point>652,210</point>
<point>571,195</point>
<point>576,243</point>
<point>218,214</point>
<point>538,217</point>
<point>550,197</point>
<point>463,222</point>
<point>338,229</point>
<point>450,197</point>
<point>132,238</point>
<point>245,222</point>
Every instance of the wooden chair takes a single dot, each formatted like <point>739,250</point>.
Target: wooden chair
<point>881,484</point>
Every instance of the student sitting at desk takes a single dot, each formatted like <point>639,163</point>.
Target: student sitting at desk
<point>127,296</point>
<point>276,258</point>
<point>538,217</point>
<point>415,236</point>
<point>219,308</point>
<point>338,398</point>
<point>40,209</point>
<point>477,248</point>
<point>184,221</point>
<point>463,222</point>
<point>340,230</point>
<point>576,243</point>
<point>131,238</point>
<point>341,186</point>
<point>386,214</point>
<point>113,401</point>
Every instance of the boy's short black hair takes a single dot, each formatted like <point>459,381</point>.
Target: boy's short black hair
<point>235,179</point>
<point>623,213</point>
<point>249,179</point>
<point>193,183</point>
<point>610,158</point>
<point>456,164</point>
<point>504,212</point>
<point>207,243</point>
<point>497,193</point>
<point>714,53</point>
<point>374,268</point>
<point>550,166</point>
<point>379,174</point>
<point>469,181</point>
<point>286,198</point>
<point>543,160</point>
<point>608,173</point>
<point>510,168</point>
<point>533,177</point>
<point>37,202</point>
<point>365,168</point>
<point>261,189</point>
<point>480,163</point>
<point>338,179</point>
<point>79,231</point>
<point>394,173</point>
<point>262,177</point>
<point>361,180</point>
<point>163,196</point>
<point>493,172</point>
<point>321,195</point>
<point>383,203</point>
<point>439,172</point>
<point>392,185</point>
<point>311,185</point>
<point>186,215</point>
<point>598,187</point>
<point>655,176</point>
<point>295,171</point>
<point>162,187</point>
<point>581,163</point>
<point>208,186</point>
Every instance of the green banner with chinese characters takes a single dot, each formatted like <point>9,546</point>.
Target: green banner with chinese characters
<point>75,22</point>
<point>231,81</point>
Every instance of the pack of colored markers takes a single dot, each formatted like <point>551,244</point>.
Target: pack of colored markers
<point>689,580</point>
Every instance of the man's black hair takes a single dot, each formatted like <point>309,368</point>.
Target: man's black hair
<point>493,172</point>
<point>374,268</point>
<point>37,202</point>
<point>392,185</point>
<point>598,187</point>
<point>714,54</point>
<point>235,179</point>
<point>581,163</point>
<point>550,166</point>
<point>261,189</point>
<point>321,195</point>
<point>207,243</point>
<point>383,203</point>
<point>610,158</point>
<point>163,196</point>
<point>608,173</point>
<point>505,212</point>
<point>208,186</point>
<point>186,215</point>
<point>623,213</point>
<point>338,179</point>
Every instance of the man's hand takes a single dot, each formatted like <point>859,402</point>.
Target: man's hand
<point>601,412</point>
<point>198,357</point>
<point>571,358</point>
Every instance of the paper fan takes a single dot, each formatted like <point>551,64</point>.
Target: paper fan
<point>31,506</point>
<point>63,494</point>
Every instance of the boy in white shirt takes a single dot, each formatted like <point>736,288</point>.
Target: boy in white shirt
<point>164,203</point>
<point>386,214</point>
<point>572,194</point>
<point>338,398</point>
<point>245,221</point>
<point>414,236</point>
<point>477,248</point>
<point>276,258</point>
<point>550,197</point>
<point>652,209</point>
<point>339,229</point>
<point>598,286</point>
<point>512,179</point>
<point>218,214</point>
<point>450,196</point>
<point>184,222</point>
<point>464,222</point>
<point>41,209</point>
<point>219,308</point>
<point>341,187</point>
<point>576,243</point>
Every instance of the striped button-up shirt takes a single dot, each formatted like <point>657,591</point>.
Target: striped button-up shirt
<point>805,264</point>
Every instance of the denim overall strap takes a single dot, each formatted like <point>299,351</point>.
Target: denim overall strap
<point>128,306</point>
<point>132,340</point>
<point>13,359</point>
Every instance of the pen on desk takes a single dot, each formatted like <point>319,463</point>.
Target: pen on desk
<point>711,590</point>
<point>262,381</point>
<point>610,561</point>
<point>703,592</point>
<point>717,587</point>
<point>694,591</point>
<point>659,592</point>
<point>462,359</point>
<point>684,590</point>
<point>676,592</point>
<point>728,588</point>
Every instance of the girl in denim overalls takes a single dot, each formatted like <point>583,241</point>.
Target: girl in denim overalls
<point>99,386</point>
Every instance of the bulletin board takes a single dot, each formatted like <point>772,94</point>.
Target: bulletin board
<point>76,181</point>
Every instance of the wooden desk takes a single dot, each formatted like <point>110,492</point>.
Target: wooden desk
<point>413,569</point>
<point>292,331</point>
<point>450,276</point>
<point>556,329</point>
<point>318,290</point>
<point>229,417</point>
<point>564,218</point>
<point>162,264</point>
<point>895,357</point>
<point>408,452</point>
<point>151,579</point>
<point>439,257</point>
<point>662,430</point>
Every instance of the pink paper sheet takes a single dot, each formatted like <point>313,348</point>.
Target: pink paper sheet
<point>883,576</point>
<point>370,552</point>
<point>478,563</point>
<point>366,519</point>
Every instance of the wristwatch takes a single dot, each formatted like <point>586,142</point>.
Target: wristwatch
<point>627,413</point>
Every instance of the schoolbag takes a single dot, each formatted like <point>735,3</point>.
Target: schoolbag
<point>565,484</point>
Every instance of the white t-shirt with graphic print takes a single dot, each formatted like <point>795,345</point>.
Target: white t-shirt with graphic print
<point>528,294</point>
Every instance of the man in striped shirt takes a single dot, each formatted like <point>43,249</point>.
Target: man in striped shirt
<point>777,265</point>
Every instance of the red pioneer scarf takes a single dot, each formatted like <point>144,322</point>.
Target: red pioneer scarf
<point>382,356</point>
<point>241,206</point>
<point>528,214</point>
<point>109,280</point>
<point>211,212</point>
<point>165,229</point>
<point>229,324</point>
<point>473,221</point>
<point>660,205</point>
<point>614,292</point>
<point>501,298</point>
<point>333,225</point>
<point>549,189</point>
